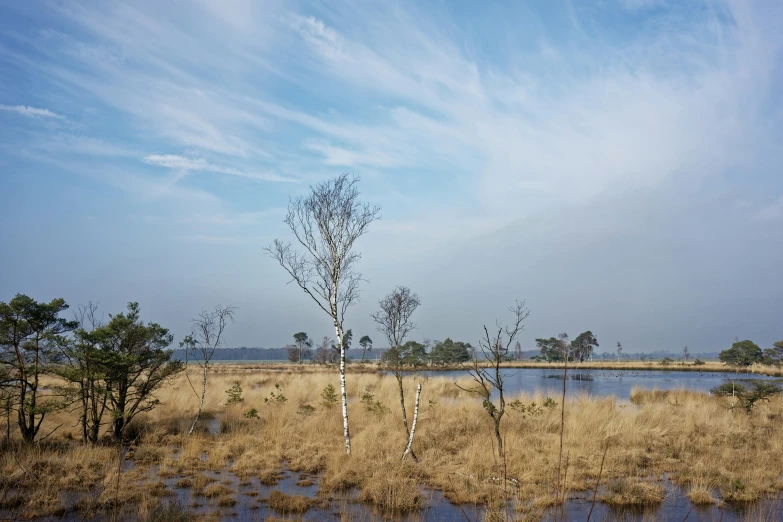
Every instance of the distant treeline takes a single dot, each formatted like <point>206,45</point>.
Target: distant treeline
<point>244,353</point>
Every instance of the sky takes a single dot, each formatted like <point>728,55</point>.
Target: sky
<point>617,164</point>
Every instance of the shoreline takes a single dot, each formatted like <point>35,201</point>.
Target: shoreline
<point>359,367</point>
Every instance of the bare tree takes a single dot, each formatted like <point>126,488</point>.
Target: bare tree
<point>686,353</point>
<point>619,350</point>
<point>206,335</point>
<point>326,224</point>
<point>394,321</point>
<point>494,349</point>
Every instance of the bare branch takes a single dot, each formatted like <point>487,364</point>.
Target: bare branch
<point>494,348</point>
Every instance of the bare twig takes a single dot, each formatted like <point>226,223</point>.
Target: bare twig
<point>598,482</point>
<point>50,433</point>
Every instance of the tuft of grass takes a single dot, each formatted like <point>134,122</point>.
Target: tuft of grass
<point>184,483</point>
<point>227,501</point>
<point>287,504</point>
<point>147,454</point>
<point>392,493</point>
<point>217,490</point>
<point>633,492</point>
<point>700,496</point>
<point>270,478</point>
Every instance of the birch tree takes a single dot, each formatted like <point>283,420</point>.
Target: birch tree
<point>326,223</point>
<point>394,321</point>
<point>494,348</point>
<point>206,335</point>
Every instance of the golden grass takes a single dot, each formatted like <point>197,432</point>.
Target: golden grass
<point>394,492</point>
<point>285,504</point>
<point>691,437</point>
<point>634,492</point>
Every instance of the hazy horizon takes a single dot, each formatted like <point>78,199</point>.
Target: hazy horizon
<point>617,165</point>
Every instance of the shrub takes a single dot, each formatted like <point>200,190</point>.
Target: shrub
<point>367,396</point>
<point>373,406</point>
<point>276,398</point>
<point>666,361</point>
<point>530,410</point>
<point>252,413</point>
<point>306,410</point>
<point>329,396</point>
<point>550,403</point>
<point>698,362</point>
<point>758,391</point>
<point>235,394</point>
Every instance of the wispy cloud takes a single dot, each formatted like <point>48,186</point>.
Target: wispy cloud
<point>173,161</point>
<point>31,112</point>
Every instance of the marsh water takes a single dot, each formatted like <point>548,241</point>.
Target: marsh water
<point>602,382</point>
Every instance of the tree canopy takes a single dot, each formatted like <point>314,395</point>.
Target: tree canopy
<point>451,352</point>
<point>137,361</point>
<point>31,334</point>
<point>742,353</point>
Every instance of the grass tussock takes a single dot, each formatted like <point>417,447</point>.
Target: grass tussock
<point>633,492</point>
<point>392,492</point>
<point>289,504</point>
<point>217,490</point>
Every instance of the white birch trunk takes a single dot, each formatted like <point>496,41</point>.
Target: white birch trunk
<point>339,334</point>
<point>413,425</point>
<point>201,402</point>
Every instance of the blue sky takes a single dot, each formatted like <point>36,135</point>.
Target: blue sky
<point>615,163</point>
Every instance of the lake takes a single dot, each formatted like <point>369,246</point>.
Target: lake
<point>602,382</point>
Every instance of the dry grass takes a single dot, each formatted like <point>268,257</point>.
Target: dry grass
<point>692,437</point>
<point>393,492</point>
<point>287,504</point>
<point>634,492</point>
